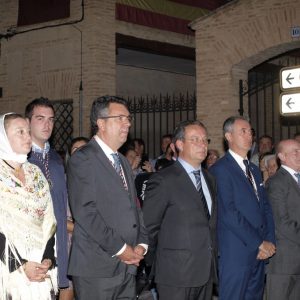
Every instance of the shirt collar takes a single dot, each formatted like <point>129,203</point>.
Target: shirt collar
<point>189,168</point>
<point>239,159</point>
<point>38,149</point>
<point>105,148</point>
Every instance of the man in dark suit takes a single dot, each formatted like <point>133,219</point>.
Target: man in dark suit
<point>180,215</point>
<point>283,279</point>
<point>109,237</point>
<point>246,235</point>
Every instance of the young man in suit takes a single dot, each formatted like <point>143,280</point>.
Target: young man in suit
<point>283,278</point>
<point>246,235</point>
<point>109,238</point>
<point>180,215</point>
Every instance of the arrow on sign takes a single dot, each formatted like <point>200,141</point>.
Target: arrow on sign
<point>288,79</point>
<point>288,103</point>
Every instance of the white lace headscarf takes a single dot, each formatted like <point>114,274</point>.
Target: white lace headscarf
<point>6,151</point>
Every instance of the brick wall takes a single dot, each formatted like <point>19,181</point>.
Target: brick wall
<point>47,62</point>
<point>231,41</point>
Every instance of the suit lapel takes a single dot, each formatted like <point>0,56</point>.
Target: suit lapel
<point>107,165</point>
<point>211,191</point>
<point>233,164</point>
<point>190,189</point>
<point>293,182</point>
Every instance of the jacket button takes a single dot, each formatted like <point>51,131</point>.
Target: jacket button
<point>134,226</point>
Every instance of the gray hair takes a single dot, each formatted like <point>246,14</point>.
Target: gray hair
<point>228,124</point>
<point>269,157</point>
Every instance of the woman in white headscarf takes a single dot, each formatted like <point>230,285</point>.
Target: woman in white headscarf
<point>27,222</point>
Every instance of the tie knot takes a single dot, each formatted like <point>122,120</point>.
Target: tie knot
<point>196,173</point>
<point>117,162</point>
<point>246,163</point>
<point>297,175</point>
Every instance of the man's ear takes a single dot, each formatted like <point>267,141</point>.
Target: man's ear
<point>228,137</point>
<point>179,146</point>
<point>101,124</point>
<point>281,156</point>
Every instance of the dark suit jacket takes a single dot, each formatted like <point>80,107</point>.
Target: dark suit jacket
<point>106,215</point>
<point>243,221</point>
<point>179,232</point>
<point>284,195</point>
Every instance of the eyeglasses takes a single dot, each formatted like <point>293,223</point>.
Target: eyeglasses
<point>197,140</point>
<point>120,118</point>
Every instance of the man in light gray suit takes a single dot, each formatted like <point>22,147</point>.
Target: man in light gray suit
<point>109,237</point>
<point>283,279</point>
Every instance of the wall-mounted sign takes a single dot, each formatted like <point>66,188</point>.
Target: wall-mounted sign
<point>290,78</point>
<point>290,104</point>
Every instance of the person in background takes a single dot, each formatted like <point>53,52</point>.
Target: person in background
<point>41,116</point>
<point>283,188</point>
<point>211,158</point>
<point>77,143</point>
<point>27,221</point>
<point>254,149</point>
<point>109,237</point>
<point>145,165</point>
<point>271,164</point>
<point>297,136</point>
<point>246,235</point>
<point>265,145</point>
<point>169,153</point>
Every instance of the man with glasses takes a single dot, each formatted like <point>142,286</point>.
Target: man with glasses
<point>246,235</point>
<point>109,237</point>
<point>180,215</point>
<point>40,113</point>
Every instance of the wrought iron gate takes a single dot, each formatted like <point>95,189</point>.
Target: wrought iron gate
<point>63,127</point>
<point>262,91</point>
<point>158,115</point>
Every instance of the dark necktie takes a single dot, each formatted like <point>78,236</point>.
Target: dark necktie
<point>248,173</point>
<point>200,190</point>
<point>298,177</point>
<point>118,168</point>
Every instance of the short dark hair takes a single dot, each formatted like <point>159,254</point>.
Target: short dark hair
<point>37,102</point>
<point>265,136</point>
<point>179,132</point>
<point>297,134</point>
<point>78,139</point>
<point>9,117</point>
<point>100,108</point>
<point>139,141</point>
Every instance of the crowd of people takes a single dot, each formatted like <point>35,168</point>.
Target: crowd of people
<point>193,222</point>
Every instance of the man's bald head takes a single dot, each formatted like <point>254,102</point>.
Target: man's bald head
<point>288,152</point>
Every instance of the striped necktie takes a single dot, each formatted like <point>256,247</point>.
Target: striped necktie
<point>118,168</point>
<point>200,191</point>
<point>298,177</point>
<point>248,173</point>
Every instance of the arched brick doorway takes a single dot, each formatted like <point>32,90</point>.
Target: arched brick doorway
<point>230,42</point>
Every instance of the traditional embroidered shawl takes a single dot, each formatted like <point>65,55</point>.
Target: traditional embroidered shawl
<point>27,221</point>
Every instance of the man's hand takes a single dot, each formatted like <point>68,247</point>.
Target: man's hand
<point>266,250</point>
<point>130,257</point>
<point>139,249</point>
